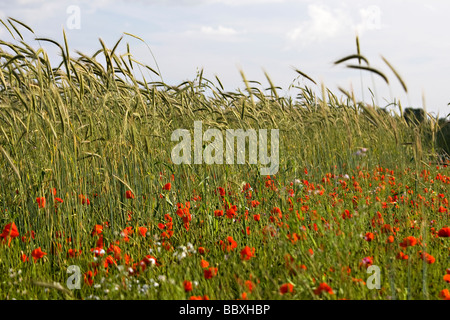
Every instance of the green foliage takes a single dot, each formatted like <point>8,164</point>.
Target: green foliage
<point>95,130</point>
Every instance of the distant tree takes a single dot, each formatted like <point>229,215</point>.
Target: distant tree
<point>414,116</point>
<point>443,136</point>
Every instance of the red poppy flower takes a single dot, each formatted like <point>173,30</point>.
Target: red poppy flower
<point>41,202</point>
<point>183,210</point>
<point>408,242</point>
<point>402,256</point>
<point>143,231</point>
<point>367,262</point>
<point>210,272</point>
<point>249,285</point>
<point>444,232</point>
<point>445,294</point>
<point>447,278</point>
<point>277,211</point>
<point>255,203</point>
<point>24,258</point>
<point>98,229</point>
<point>442,209</point>
<point>204,263</point>
<point>161,226</point>
<point>109,261</point>
<point>10,230</point>
<point>287,287</point>
<point>187,285</point>
<point>221,191</point>
<point>247,253</point>
<point>116,250</point>
<point>231,243</point>
<point>369,236</point>
<point>201,250</point>
<point>167,186</point>
<point>428,258</point>
<point>89,278</point>
<point>346,214</point>
<point>126,232</point>
<point>129,194</point>
<point>323,287</point>
<point>231,212</point>
<point>37,254</point>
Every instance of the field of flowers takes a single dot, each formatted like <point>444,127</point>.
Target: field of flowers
<point>92,206</point>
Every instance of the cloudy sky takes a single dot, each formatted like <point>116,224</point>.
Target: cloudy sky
<point>224,36</point>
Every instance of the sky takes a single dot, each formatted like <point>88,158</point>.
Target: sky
<point>223,37</point>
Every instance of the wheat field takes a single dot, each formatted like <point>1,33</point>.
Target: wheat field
<point>93,207</point>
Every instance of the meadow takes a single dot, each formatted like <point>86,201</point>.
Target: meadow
<point>89,191</point>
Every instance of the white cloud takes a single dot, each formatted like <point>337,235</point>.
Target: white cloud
<point>33,12</point>
<point>326,23</point>
<point>370,19</point>
<point>220,31</point>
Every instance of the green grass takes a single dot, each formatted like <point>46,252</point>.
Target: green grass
<point>92,129</point>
